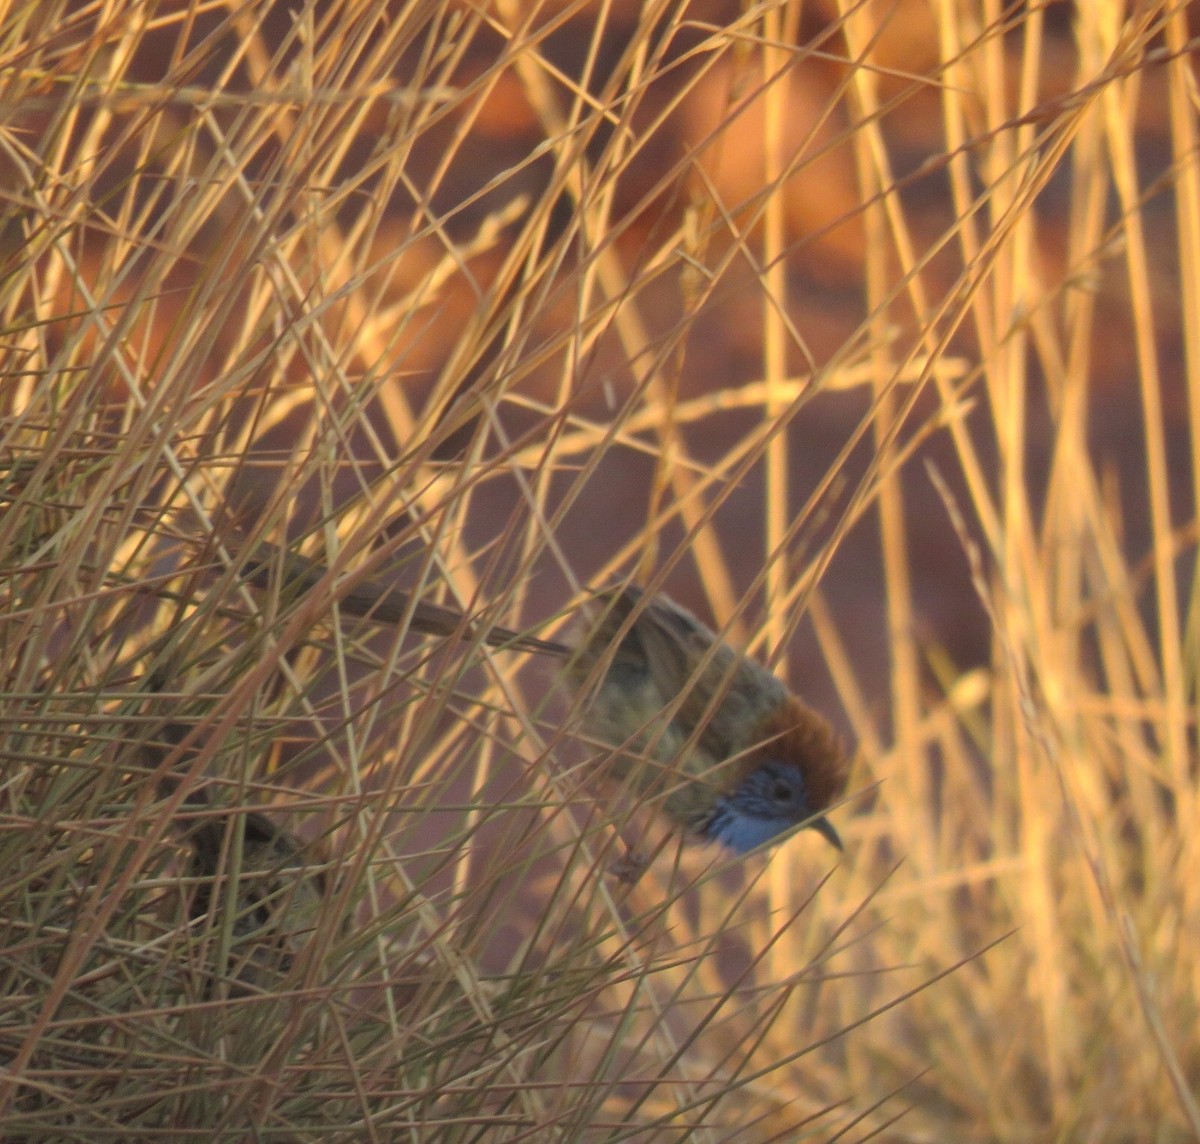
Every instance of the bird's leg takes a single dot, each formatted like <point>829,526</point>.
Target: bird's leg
<point>630,866</point>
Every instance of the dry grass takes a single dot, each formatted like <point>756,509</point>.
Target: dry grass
<point>501,301</point>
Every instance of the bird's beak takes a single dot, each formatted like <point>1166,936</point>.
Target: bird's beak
<point>825,829</point>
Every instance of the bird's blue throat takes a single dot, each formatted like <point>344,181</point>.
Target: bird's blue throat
<point>740,831</point>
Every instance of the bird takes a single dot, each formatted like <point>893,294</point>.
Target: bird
<point>266,887</point>
<point>734,756</point>
<point>279,894</point>
<point>739,760</point>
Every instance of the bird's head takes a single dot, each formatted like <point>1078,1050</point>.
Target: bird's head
<point>792,778</point>
<point>766,802</point>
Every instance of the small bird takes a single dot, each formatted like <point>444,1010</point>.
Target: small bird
<point>279,894</point>
<point>275,880</point>
<point>738,760</point>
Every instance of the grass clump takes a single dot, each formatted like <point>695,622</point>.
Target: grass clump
<point>865,331</point>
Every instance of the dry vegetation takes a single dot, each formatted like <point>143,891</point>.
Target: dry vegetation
<point>869,330</point>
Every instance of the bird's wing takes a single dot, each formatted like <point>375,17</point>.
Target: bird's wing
<point>663,641</point>
<point>731,696</point>
<point>674,643</point>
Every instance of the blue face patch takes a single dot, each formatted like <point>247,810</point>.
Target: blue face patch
<point>743,832</point>
<point>764,804</point>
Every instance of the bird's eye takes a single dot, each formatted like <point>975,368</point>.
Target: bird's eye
<point>782,792</point>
